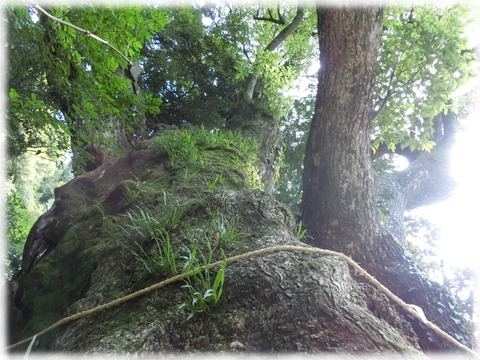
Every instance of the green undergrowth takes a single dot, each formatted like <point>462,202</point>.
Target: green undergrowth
<point>166,244</point>
<point>175,229</point>
<point>211,156</point>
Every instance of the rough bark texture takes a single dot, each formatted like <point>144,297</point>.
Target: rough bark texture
<point>79,256</point>
<point>338,206</point>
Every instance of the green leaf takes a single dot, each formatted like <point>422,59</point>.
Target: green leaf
<point>13,94</point>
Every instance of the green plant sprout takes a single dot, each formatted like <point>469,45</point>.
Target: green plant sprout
<point>203,292</point>
<point>219,179</point>
<point>227,235</point>
<point>98,205</point>
<point>173,217</point>
<point>160,257</point>
<point>143,224</point>
<point>131,191</point>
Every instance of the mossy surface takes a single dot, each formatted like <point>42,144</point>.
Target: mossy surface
<point>203,190</point>
<point>93,210</point>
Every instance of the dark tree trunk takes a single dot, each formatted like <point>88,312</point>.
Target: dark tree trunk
<point>339,203</point>
<point>338,206</point>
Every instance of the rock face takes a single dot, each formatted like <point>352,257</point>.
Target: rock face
<point>98,243</point>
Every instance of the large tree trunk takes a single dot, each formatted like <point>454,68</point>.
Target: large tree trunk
<point>80,254</point>
<point>338,206</point>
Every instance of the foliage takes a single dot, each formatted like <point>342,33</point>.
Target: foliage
<point>131,191</point>
<point>200,61</point>
<point>275,68</point>
<point>144,224</point>
<point>203,291</point>
<point>196,147</point>
<point>301,232</point>
<point>19,221</point>
<point>101,209</point>
<point>200,64</point>
<point>29,191</point>
<point>423,59</point>
<point>64,85</point>
<point>32,121</point>
<point>226,235</point>
<point>191,70</point>
<point>160,257</point>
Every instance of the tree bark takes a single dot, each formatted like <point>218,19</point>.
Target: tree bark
<point>338,206</point>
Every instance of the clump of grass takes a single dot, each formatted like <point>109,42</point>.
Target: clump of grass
<point>180,146</point>
<point>204,288</point>
<point>173,216</point>
<point>131,191</point>
<point>143,224</point>
<point>300,232</point>
<point>102,212</point>
<point>146,226</point>
<point>227,235</point>
<point>196,150</point>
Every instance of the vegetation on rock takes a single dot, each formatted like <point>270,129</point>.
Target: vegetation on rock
<point>182,128</point>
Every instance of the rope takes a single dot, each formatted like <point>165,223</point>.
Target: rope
<point>410,309</point>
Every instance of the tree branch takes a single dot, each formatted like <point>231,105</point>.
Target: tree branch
<point>271,19</point>
<point>281,36</point>
<point>86,32</point>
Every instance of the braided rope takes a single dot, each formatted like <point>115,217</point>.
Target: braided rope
<point>410,309</point>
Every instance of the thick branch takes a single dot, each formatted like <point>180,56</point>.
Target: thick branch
<point>407,153</point>
<point>282,35</point>
<point>278,21</point>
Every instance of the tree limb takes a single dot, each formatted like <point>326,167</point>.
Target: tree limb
<point>282,35</point>
<point>271,19</point>
<point>86,32</point>
<point>272,46</point>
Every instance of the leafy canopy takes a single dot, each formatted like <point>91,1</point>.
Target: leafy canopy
<point>424,58</point>
<point>55,69</point>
